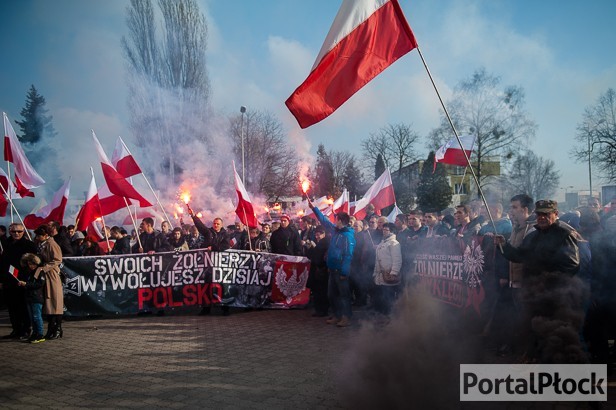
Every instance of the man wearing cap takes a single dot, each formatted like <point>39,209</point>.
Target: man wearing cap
<point>286,240</point>
<point>552,247</point>
<point>550,258</point>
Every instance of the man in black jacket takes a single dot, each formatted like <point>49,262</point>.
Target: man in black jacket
<point>151,241</point>
<point>16,246</point>
<point>122,241</point>
<point>216,239</point>
<point>61,237</point>
<point>550,258</point>
<point>286,240</point>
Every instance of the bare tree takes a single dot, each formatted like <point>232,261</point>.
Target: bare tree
<point>271,164</point>
<point>168,84</point>
<point>533,175</point>
<point>340,161</point>
<point>395,144</point>
<point>376,144</point>
<point>596,136</point>
<point>494,115</point>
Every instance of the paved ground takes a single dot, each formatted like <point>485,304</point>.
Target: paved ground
<point>249,360</point>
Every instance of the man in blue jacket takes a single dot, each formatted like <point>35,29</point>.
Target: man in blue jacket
<point>339,257</point>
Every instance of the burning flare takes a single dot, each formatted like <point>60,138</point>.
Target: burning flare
<point>305,186</point>
<point>185,197</point>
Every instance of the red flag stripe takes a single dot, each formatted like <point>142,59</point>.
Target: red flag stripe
<point>245,211</point>
<point>54,211</point>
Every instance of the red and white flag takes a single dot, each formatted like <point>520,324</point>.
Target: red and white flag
<point>451,153</point>
<point>324,204</point>
<point>340,205</point>
<point>123,160</point>
<point>380,194</point>
<point>54,211</point>
<point>13,152</point>
<point>110,202</point>
<point>8,189</point>
<point>244,210</point>
<point>14,272</point>
<point>91,209</point>
<point>143,213</point>
<point>93,231</point>
<point>22,190</point>
<point>367,36</point>
<point>117,184</point>
<point>393,214</point>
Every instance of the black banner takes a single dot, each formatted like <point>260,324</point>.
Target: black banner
<point>454,272</point>
<point>129,284</point>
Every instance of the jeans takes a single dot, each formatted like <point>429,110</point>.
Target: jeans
<point>339,294</point>
<point>35,310</point>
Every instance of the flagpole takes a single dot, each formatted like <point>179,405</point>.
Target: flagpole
<point>8,195</point>
<point>455,132</point>
<point>8,173</point>
<point>149,185</point>
<point>134,223</point>
<point>16,211</point>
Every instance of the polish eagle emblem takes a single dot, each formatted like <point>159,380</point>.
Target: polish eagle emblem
<point>473,264</point>
<point>292,286</point>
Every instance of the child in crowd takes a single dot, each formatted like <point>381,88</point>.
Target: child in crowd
<point>34,294</point>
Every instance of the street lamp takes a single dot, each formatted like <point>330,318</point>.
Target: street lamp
<point>590,146</point>
<point>242,110</point>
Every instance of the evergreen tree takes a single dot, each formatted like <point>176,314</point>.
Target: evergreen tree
<point>434,191</point>
<point>379,167</point>
<point>323,173</point>
<point>35,122</point>
<point>352,178</point>
<point>37,139</point>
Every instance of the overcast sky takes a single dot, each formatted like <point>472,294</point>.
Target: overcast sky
<point>560,52</point>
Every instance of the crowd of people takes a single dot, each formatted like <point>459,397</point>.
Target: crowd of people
<point>367,263</point>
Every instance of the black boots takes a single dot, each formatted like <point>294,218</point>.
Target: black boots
<point>54,330</point>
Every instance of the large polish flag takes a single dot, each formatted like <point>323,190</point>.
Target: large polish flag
<point>13,152</point>
<point>123,160</point>
<point>91,209</point>
<point>117,184</point>
<point>451,153</point>
<point>380,194</point>
<point>367,36</point>
<point>244,210</point>
<point>54,211</point>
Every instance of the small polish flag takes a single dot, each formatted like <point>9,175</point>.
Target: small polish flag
<point>450,153</point>
<point>13,271</point>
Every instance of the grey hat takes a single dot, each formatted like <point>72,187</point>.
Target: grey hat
<point>77,235</point>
